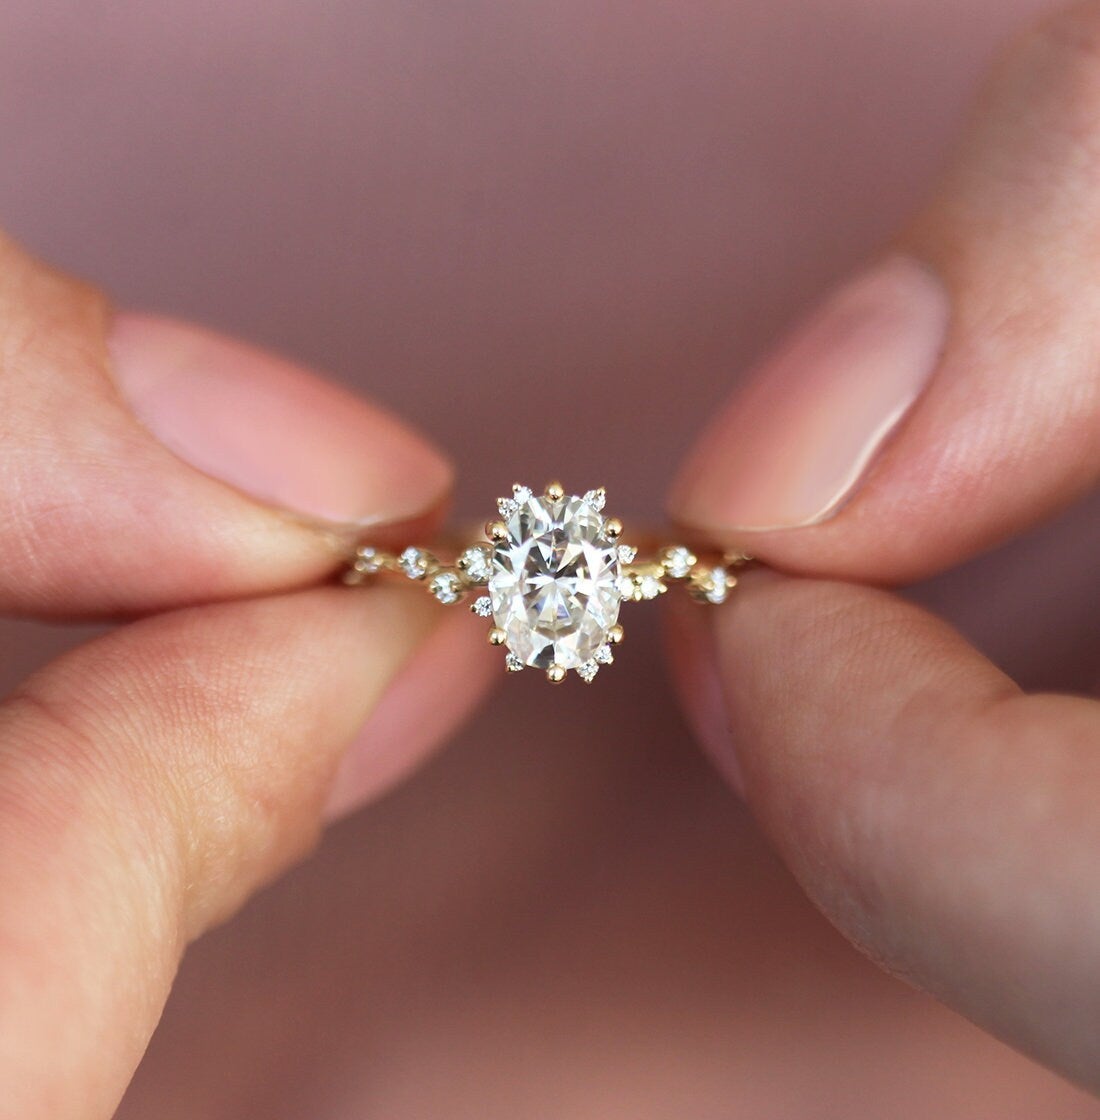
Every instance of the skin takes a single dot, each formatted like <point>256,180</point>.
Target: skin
<point>115,857</point>
<point>129,826</point>
<point>941,818</point>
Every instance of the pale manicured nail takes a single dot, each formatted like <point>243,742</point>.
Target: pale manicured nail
<point>405,726</point>
<point>270,428</point>
<point>791,448</point>
<point>693,663</point>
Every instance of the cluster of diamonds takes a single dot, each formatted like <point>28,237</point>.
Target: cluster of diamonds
<point>552,575</point>
<point>449,583</point>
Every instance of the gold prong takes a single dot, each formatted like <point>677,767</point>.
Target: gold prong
<point>497,636</point>
<point>555,674</point>
<point>613,527</point>
<point>496,531</point>
<point>555,491</point>
<point>615,634</point>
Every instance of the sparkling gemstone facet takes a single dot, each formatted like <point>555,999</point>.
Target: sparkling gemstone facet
<point>554,588</point>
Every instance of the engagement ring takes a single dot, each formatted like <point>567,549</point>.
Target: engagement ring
<point>552,576</point>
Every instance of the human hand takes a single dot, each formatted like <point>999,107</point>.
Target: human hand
<point>155,777</point>
<point>947,823</point>
<point>108,1063</point>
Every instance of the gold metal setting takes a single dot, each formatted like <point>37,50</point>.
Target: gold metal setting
<point>708,577</point>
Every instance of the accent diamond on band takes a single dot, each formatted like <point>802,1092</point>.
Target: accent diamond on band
<point>553,575</point>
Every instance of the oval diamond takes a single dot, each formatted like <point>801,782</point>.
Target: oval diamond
<point>555,582</point>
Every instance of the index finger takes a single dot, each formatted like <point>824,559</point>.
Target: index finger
<point>942,819</point>
<point>948,397</point>
<point>154,778</point>
<point>148,464</point>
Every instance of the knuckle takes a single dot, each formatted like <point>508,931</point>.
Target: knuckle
<point>1061,53</point>
<point>1073,31</point>
<point>190,785</point>
<point>52,346</point>
<point>240,803</point>
<point>1037,128</point>
<point>34,296</point>
<point>61,806</point>
<point>239,821</point>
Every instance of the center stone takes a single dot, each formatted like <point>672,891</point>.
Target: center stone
<point>554,586</point>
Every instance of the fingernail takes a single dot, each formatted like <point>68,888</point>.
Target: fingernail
<point>277,432</point>
<point>403,729</point>
<point>792,447</point>
<point>693,663</point>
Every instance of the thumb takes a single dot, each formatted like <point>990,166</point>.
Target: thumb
<point>151,780</point>
<point>149,464</point>
<point>948,397</point>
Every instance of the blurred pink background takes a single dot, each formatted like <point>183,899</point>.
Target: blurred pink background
<point>453,207</point>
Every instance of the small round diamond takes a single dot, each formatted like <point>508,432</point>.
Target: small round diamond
<point>587,671</point>
<point>719,586</point>
<point>446,587</point>
<point>368,560</point>
<point>482,606</point>
<point>678,562</point>
<point>477,563</point>
<point>508,506</point>
<point>649,587</point>
<point>414,562</point>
